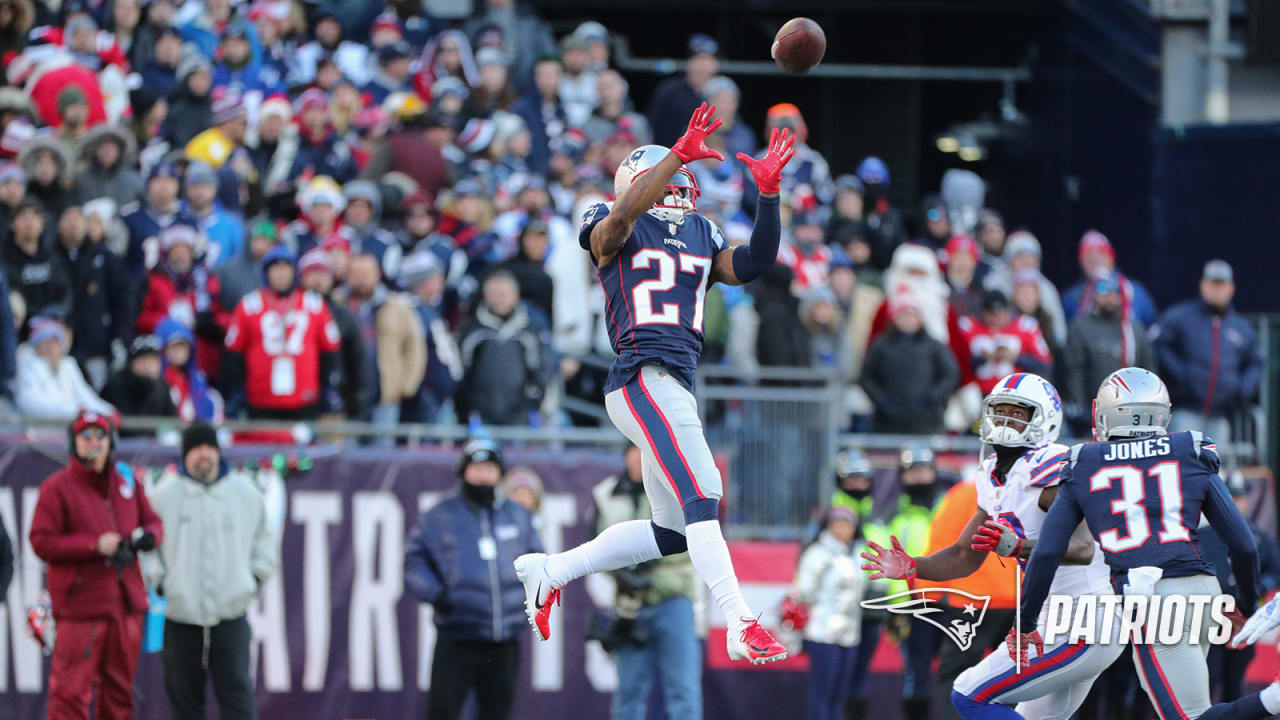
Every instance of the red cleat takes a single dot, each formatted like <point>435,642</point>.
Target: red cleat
<point>755,644</point>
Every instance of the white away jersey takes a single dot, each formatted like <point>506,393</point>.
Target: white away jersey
<point>1017,502</point>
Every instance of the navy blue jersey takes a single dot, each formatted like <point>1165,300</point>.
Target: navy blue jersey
<point>654,292</point>
<point>1142,500</point>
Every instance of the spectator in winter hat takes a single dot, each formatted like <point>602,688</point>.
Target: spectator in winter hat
<point>275,130</point>
<point>596,36</point>
<point>396,359</point>
<point>223,229</point>
<point>320,150</point>
<point>1028,300</point>
<point>523,486</point>
<point>807,172</point>
<point>48,164</point>
<point>108,154</point>
<point>242,275</point>
<point>386,30</point>
<point>338,248</point>
<point>446,55</point>
<point>17,133</point>
<point>678,95</point>
<point>527,267</point>
<point>193,396</point>
<point>723,92</point>
<point>963,275</point>
<point>393,72</point>
<point>351,58</point>
<point>216,144</point>
<point>13,188</point>
<point>239,69</point>
<point>1022,254</point>
<point>315,273</point>
<point>614,109</point>
<point>542,111</point>
<point>49,385</point>
<point>90,48</point>
<point>179,289</point>
<point>495,90</point>
<point>578,83</point>
<point>321,202</point>
<point>908,375</point>
<point>144,221</point>
<point>1098,258</point>
<point>160,73</point>
<point>33,271</point>
<point>422,277</point>
<point>1105,340</point>
<point>101,295</point>
<point>363,217</point>
<point>137,388</point>
<point>190,105</point>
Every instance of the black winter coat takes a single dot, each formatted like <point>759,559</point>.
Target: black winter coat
<point>101,299</point>
<point>782,340</point>
<point>909,378</point>
<point>40,279</point>
<point>135,395</point>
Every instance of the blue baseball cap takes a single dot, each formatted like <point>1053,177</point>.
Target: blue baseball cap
<point>873,170</point>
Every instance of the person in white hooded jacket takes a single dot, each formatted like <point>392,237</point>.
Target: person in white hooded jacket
<point>830,584</point>
<point>49,385</point>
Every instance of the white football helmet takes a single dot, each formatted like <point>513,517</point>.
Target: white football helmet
<point>682,189</point>
<point>1030,391</point>
<point>1131,402</point>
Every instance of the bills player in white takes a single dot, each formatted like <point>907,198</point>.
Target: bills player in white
<point>1021,419</point>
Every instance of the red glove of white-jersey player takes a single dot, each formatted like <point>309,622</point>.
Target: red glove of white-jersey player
<point>999,537</point>
<point>891,563</point>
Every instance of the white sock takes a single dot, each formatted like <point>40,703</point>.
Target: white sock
<point>618,546</point>
<point>710,557</point>
<point>1270,697</point>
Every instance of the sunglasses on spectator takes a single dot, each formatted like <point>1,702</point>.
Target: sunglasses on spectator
<point>93,433</point>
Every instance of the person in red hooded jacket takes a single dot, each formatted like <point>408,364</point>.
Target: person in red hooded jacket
<point>89,522</point>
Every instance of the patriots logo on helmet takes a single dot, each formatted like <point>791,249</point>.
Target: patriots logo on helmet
<point>634,158</point>
<point>961,630</point>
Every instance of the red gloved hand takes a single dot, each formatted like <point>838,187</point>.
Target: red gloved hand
<point>693,144</point>
<point>768,170</point>
<point>892,563</point>
<point>1019,645</point>
<point>999,537</point>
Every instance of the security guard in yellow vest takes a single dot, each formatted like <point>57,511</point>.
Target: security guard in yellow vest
<point>917,505</point>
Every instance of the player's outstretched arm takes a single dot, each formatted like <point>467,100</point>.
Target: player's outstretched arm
<point>735,266</point>
<point>954,561</point>
<point>611,233</point>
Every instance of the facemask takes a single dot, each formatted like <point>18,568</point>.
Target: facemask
<point>920,494</point>
<point>857,494</point>
<point>479,494</point>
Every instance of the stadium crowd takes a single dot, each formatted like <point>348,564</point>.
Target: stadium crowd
<point>164,162</point>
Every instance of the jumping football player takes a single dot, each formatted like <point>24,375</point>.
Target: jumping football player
<point>656,257</point>
<point>1017,484</point>
<point>1141,491</point>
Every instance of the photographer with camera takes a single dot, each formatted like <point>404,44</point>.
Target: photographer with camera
<point>218,552</point>
<point>652,624</point>
<point>89,523</point>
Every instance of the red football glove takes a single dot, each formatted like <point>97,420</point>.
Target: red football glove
<point>693,144</point>
<point>997,536</point>
<point>1019,645</point>
<point>768,170</point>
<point>894,563</point>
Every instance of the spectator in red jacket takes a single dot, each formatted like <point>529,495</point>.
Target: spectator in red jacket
<point>89,522</point>
<point>177,288</point>
<point>1001,343</point>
